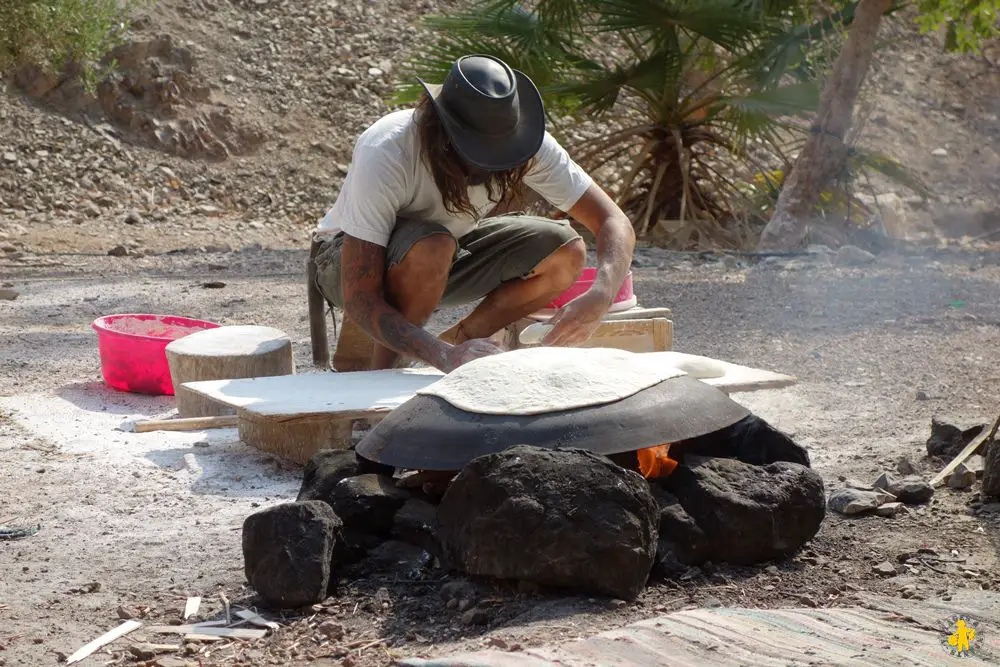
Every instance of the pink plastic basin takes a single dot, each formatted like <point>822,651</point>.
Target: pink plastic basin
<point>132,347</point>
<point>584,282</point>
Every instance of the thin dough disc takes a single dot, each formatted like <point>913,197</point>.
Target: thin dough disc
<point>538,380</point>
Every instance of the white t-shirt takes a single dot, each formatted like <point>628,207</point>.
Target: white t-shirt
<point>389,179</point>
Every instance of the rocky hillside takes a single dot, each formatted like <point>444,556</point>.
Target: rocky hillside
<point>232,124</point>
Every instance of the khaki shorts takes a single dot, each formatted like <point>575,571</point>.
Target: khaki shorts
<point>498,250</point>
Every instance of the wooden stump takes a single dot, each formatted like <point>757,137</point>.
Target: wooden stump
<point>225,353</point>
<point>295,439</point>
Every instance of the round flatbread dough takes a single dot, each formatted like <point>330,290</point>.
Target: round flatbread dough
<point>538,380</point>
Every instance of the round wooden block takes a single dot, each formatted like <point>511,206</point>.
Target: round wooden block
<point>225,353</point>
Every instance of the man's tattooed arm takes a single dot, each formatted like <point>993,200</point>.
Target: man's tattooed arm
<point>362,276</point>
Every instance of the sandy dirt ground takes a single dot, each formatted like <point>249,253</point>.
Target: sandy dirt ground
<point>125,522</point>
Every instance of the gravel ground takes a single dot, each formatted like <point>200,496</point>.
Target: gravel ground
<point>863,340</point>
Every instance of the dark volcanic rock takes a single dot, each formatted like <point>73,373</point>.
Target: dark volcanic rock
<point>403,560</point>
<point>991,470</point>
<point>947,440</point>
<point>564,518</point>
<point>725,510</point>
<point>416,523</point>
<point>751,440</point>
<point>324,471</point>
<point>287,552</point>
<point>912,490</point>
<point>368,503</point>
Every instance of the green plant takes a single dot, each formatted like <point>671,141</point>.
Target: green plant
<point>685,93</point>
<point>52,34</point>
<point>968,23</point>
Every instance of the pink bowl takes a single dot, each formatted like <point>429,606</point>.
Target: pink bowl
<point>584,282</point>
<point>132,348</point>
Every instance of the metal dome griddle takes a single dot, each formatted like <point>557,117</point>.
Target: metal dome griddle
<point>429,433</point>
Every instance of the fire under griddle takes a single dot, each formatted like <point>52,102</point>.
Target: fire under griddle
<point>428,433</point>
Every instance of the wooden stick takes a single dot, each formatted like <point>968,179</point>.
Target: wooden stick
<point>186,424</point>
<point>969,450</point>
<point>199,629</point>
<point>106,638</point>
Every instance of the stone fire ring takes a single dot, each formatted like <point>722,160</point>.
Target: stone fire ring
<point>428,433</point>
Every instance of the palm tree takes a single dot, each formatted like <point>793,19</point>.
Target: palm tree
<point>684,94</point>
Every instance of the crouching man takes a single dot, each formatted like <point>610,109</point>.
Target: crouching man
<point>410,230</point>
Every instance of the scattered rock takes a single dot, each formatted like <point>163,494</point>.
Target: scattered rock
<point>324,471</point>
<point>147,651</point>
<point>416,523</point>
<point>852,483</point>
<point>947,440</point>
<point>905,467</point>
<point>884,481</point>
<point>331,630</point>
<point>723,510</point>
<point>8,294</point>
<point>133,217</point>
<point>921,395</point>
<point>368,503</point>
<point>400,558</point>
<point>961,477</point>
<point>912,490</point>
<point>889,509</point>
<point>458,590</point>
<point>173,661</point>
<point>476,616</point>
<point>213,284</point>
<point>852,502</point>
<point>751,440</point>
<point>850,255</point>
<point>885,568</point>
<point>939,152</point>
<point>287,552</point>
<point>118,251</point>
<point>564,518</point>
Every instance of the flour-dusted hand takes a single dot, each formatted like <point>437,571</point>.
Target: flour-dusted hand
<point>465,352</point>
<point>577,321</point>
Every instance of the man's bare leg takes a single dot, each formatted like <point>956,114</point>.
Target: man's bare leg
<point>415,286</point>
<point>520,298</point>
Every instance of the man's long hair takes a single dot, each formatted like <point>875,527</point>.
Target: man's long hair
<point>451,174</point>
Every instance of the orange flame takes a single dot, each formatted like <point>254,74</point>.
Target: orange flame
<point>655,462</point>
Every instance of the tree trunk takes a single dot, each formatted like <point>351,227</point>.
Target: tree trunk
<point>824,153</point>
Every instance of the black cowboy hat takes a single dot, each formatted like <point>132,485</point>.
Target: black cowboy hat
<point>492,113</point>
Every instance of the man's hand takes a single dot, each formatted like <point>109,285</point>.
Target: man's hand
<point>577,321</point>
<point>465,352</point>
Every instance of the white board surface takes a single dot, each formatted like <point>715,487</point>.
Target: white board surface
<point>332,393</point>
<point>310,393</point>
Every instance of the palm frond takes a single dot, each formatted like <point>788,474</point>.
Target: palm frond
<point>727,23</point>
<point>869,160</point>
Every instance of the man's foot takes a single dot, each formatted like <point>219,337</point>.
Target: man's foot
<point>432,482</point>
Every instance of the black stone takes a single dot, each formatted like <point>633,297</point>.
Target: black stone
<point>724,510</point>
<point>368,503</point>
<point>324,471</point>
<point>751,440</point>
<point>400,559</point>
<point>947,440</point>
<point>287,552</point>
<point>566,518</point>
<point>416,523</point>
